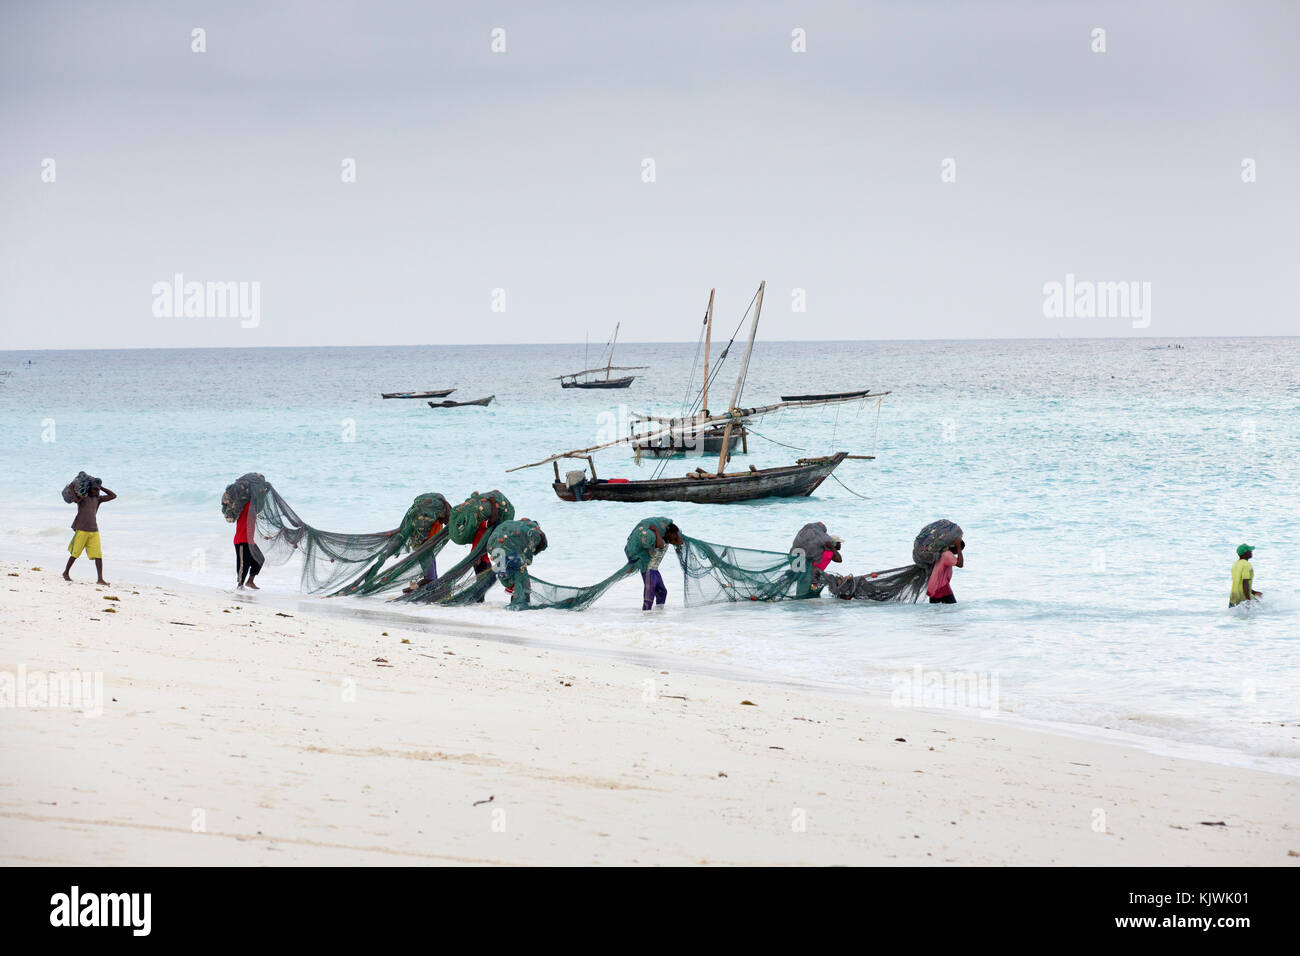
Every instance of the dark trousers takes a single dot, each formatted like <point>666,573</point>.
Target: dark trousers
<point>653,591</point>
<point>946,599</point>
<point>246,566</point>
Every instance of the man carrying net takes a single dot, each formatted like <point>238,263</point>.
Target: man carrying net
<point>645,548</point>
<point>819,548</point>
<point>512,547</point>
<point>906,584</point>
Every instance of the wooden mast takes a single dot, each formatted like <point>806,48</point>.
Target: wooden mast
<point>611,350</point>
<point>708,337</point>
<point>740,379</point>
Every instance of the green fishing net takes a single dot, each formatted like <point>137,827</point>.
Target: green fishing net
<point>470,578</point>
<point>422,534</point>
<point>717,573</point>
<point>332,562</point>
<point>467,516</point>
<point>897,584</point>
<point>641,542</point>
<point>544,594</point>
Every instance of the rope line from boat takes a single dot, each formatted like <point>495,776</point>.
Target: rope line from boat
<point>847,488</point>
<point>750,430</point>
<point>877,432</point>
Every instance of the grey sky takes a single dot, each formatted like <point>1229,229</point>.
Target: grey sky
<point>523,170</point>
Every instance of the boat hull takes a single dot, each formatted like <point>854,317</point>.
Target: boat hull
<point>792,481</point>
<point>825,396</point>
<point>477,401</point>
<point>601,383</point>
<point>680,448</point>
<point>437,393</point>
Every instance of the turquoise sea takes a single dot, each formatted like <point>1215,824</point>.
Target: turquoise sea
<point>1103,485</point>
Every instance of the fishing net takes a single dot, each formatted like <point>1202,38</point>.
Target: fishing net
<point>812,541</point>
<point>467,516</point>
<point>340,564</point>
<point>897,584</point>
<point>640,550</point>
<point>422,533</point>
<point>544,594</point>
<point>640,547</point>
<point>470,578</point>
<point>80,487</point>
<point>716,573</point>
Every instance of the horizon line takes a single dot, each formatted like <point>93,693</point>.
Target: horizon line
<point>390,345</point>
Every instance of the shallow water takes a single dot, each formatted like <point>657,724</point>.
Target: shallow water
<point>1103,486</point>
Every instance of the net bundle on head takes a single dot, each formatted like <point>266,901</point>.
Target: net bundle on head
<point>80,487</point>
<point>468,523</point>
<point>905,584</point>
<point>334,562</point>
<point>717,573</point>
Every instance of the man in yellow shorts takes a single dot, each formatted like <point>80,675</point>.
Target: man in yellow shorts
<point>85,530</point>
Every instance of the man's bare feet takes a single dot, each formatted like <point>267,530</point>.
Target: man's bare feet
<point>102,581</point>
<point>65,576</point>
<point>239,587</point>
<point>253,586</point>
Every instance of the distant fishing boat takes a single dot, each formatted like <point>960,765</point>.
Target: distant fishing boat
<point>818,396</point>
<point>700,486</point>
<point>439,393</point>
<point>477,401</point>
<point>589,378</point>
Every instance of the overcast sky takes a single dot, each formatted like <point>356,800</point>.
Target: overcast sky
<point>524,170</point>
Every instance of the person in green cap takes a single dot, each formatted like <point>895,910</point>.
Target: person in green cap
<point>1243,576</point>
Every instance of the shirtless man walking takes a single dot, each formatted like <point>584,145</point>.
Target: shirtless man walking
<point>85,530</point>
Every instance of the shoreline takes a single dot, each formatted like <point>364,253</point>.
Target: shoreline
<point>295,737</point>
<point>383,613</point>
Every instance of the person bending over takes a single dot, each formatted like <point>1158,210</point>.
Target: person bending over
<point>645,547</point>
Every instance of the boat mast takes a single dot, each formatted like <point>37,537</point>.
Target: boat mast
<point>740,379</point>
<point>708,337</point>
<point>612,343</point>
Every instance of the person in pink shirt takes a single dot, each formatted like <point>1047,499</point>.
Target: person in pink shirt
<point>939,587</point>
<point>246,563</point>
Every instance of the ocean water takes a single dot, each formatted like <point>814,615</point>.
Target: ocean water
<point>1103,486</point>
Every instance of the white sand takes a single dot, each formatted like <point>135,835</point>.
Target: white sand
<point>257,738</point>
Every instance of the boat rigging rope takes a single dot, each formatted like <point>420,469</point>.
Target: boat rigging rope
<point>847,488</point>
<point>699,345</point>
<point>750,430</point>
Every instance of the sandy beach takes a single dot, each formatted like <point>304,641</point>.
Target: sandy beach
<point>241,729</point>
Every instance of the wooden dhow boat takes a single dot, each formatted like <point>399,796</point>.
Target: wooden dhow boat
<point>700,486</point>
<point>585,379</point>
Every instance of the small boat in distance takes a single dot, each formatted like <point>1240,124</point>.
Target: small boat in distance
<point>584,378</point>
<point>477,401</point>
<point>438,393</point>
<point>820,396</point>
